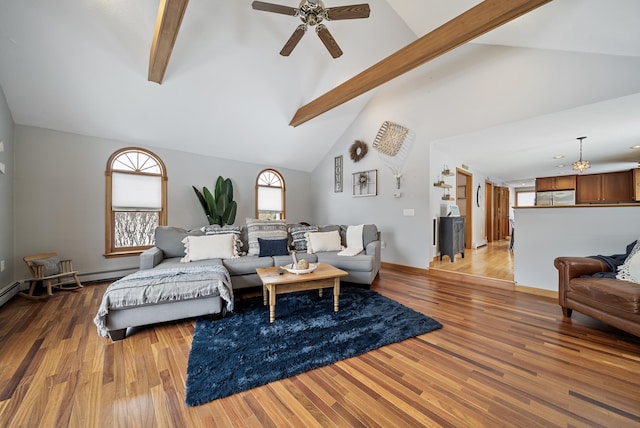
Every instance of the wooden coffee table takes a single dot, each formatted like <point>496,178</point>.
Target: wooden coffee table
<point>273,283</point>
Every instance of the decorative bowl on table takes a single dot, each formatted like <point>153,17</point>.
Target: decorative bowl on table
<point>289,268</point>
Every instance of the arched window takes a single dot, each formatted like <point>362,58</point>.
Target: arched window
<point>270,195</point>
<point>136,201</point>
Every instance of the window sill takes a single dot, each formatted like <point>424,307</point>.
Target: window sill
<point>127,253</point>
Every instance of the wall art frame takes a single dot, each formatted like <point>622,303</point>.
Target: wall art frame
<point>337,174</point>
<point>365,183</point>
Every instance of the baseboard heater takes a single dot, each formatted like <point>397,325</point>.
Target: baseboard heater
<point>8,292</point>
<point>105,275</point>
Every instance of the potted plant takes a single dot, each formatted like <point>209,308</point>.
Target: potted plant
<point>219,207</point>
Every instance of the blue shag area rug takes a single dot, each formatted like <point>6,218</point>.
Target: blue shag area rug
<point>243,351</point>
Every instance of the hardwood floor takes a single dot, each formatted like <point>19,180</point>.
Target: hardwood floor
<point>493,260</point>
<point>503,358</point>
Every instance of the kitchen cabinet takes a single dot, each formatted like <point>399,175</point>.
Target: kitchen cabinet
<point>636,184</point>
<point>562,182</point>
<point>451,237</point>
<point>610,187</point>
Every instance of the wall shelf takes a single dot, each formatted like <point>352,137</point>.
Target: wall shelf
<point>446,172</point>
<point>442,185</point>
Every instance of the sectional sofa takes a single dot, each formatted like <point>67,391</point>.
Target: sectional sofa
<point>176,247</point>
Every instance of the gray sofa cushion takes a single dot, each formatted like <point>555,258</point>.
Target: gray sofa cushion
<point>246,264</point>
<point>175,261</point>
<point>285,260</point>
<point>169,240</point>
<point>361,262</point>
<point>369,234</point>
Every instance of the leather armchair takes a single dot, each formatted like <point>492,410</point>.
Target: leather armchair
<point>613,301</point>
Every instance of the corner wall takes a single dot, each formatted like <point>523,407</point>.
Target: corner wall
<point>6,202</point>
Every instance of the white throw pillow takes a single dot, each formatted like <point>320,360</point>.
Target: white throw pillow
<point>209,247</point>
<point>630,269</point>
<point>323,241</point>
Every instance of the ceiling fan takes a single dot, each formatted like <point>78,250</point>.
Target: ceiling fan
<point>312,13</point>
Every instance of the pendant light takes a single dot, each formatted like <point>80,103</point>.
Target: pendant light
<point>581,165</point>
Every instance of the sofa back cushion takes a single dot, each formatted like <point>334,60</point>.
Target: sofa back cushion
<point>369,232</point>
<point>276,229</point>
<point>169,240</point>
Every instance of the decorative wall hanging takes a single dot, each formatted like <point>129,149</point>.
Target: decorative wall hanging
<point>365,183</point>
<point>337,174</point>
<point>358,150</point>
<point>393,143</point>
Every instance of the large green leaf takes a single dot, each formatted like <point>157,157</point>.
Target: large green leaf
<point>219,207</point>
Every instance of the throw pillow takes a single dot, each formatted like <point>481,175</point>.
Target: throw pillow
<point>323,241</point>
<point>265,229</point>
<point>209,247</point>
<point>630,269</point>
<point>273,247</point>
<point>51,265</point>
<point>214,229</point>
<point>298,237</point>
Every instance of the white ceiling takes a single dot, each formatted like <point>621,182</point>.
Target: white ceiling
<point>80,66</point>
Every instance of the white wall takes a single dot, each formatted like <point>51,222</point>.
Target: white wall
<point>542,234</point>
<point>6,197</point>
<point>60,195</point>
<point>466,90</point>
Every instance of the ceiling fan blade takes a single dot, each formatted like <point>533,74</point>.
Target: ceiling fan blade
<point>353,11</point>
<point>328,40</point>
<point>293,40</point>
<point>275,8</point>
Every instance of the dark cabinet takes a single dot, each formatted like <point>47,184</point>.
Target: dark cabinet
<point>451,237</point>
<point>609,187</point>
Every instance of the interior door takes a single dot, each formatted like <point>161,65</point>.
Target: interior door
<point>489,212</point>
<point>464,200</point>
<point>501,213</point>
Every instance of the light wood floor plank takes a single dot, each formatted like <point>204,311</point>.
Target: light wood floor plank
<point>503,358</point>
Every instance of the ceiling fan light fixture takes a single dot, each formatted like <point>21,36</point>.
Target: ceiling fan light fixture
<point>312,13</point>
<point>581,165</point>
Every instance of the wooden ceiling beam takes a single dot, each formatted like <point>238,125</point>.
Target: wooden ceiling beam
<point>170,14</point>
<point>478,20</point>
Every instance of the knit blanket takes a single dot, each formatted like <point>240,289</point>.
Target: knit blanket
<point>354,241</point>
<point>153,286</point>
<point>613,262</point>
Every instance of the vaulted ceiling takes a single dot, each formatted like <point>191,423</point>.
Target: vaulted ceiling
<point>81,66</point>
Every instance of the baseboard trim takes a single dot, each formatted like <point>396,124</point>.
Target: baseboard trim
<point>466,278</point>
<point>537,291</point>
<point>404,268</point>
